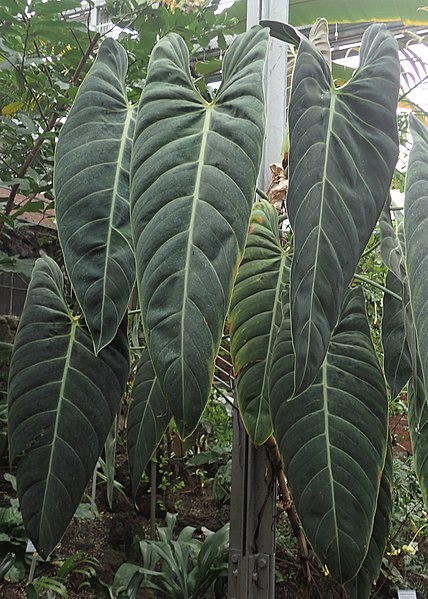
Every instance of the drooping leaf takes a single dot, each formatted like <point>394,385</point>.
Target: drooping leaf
<point>402,359</point>
<point>333,439</point>
<point>194,171</point>
<point>418,428</point>
<point>361,586</point>
<point>148,418</point>
<point>397,359</point>
<point>416,238</point>
<point>255,315</point>
<point>92,194</point>
<point>62,401</point>
<point>343,150</point>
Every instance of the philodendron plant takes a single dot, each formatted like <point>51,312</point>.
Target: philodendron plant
<point>162,195</point>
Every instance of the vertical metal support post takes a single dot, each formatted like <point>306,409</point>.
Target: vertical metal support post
<point>253,494</point>
<point>252,519</point>
<point>274,82</point>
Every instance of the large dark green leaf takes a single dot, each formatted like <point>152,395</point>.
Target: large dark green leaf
<point>416,238</point>
<point>333,439</point>
<point>343,150</point>
<point>255,315</point>
<point>361,586</point>
<point>92,194</point>
<point>148,418</point>
<point>194,170</point>
<point>62,402</point>
<point>397,359</point>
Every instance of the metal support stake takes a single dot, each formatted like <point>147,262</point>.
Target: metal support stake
<point>252,519</point>
<point>253,494</point>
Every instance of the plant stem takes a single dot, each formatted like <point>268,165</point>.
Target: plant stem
<point>377,285</point>
<point>152,499</point>
<point>262,194</point>
<point>288,506</point>
<point>371,249</point>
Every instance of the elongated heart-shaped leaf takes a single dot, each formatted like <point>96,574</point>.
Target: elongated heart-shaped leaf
<point>333,440</point>
<point>148,418</point>
<point>255,315</point>
<point>397,359</point>
<point>343,150</point>
<point>416,238</point>
<point>62,402</point>
<point>92,194</point>
<point>361,586</point>
<point>194,169</point>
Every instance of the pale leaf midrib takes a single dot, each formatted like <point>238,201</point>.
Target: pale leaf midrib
<point>328,454</point>
<point>195,198</point>
<point>123,142</point>
<point>314,276</point>
<point>272,338</point>
<point>74,325</point>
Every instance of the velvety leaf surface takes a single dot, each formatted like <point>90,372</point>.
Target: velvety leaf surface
<point>361,586</point>
<point>397,359</point>
<point>416,392</point>
<point>416,238</point>
<point>62,401</point>
<point>333,439</point>
<point>148,418</point>
<point>92,194</point>
<point>343,150</point>
<point>255,315</point>
<point>418,428</point>
<point>194,171</point>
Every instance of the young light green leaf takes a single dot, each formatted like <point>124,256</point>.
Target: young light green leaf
<point>255,315</point>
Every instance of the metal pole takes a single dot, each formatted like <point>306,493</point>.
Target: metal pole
<point>274,82</point>
<point>253,494</point>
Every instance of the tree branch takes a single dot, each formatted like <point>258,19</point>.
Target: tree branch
<point>49,126</point>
